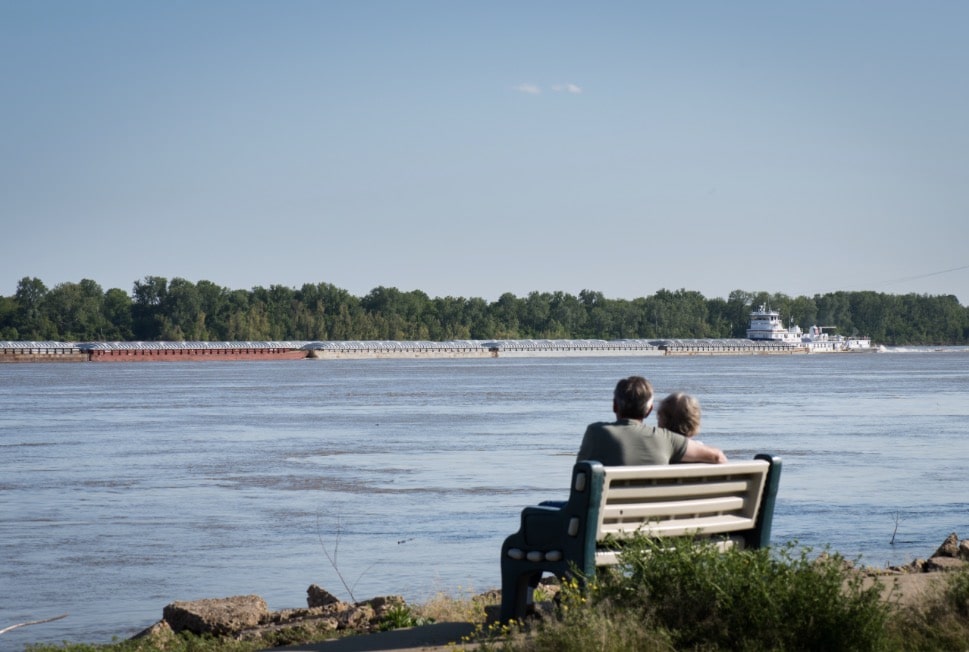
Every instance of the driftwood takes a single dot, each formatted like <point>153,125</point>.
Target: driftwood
<point>32,622</point>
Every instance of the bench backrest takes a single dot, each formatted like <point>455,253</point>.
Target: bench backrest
<point>733,500</point>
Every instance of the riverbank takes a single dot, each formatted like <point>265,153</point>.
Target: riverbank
<point>328,624</point>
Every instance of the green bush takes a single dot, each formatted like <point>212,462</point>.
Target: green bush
<point>399,617</point>
<point>682,595</point>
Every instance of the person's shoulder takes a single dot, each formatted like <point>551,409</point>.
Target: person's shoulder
<point>602,429</point>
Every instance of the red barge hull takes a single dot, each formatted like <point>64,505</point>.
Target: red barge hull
<point>192,355</point>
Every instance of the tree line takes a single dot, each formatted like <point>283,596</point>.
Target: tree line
<point>159,309</point>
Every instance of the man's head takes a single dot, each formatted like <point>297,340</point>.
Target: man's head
<point>633,398</point>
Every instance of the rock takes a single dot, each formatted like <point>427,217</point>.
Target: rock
<point>317,596</point>
<point>949,547</point>
<point>917,566</point>
<point>292,626</point>
<point>381,605</point>
<point>964,549</point>
<point>157,633</point>
<point>216,616</point>
<point>358,617</point>
<point>937,564</point>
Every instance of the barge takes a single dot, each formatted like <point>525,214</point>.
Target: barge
<point>766,335</point>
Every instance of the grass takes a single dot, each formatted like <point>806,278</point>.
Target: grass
<point>683,596</point>
<point>466,607</point>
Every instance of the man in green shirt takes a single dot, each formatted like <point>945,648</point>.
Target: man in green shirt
<point>628,441</point>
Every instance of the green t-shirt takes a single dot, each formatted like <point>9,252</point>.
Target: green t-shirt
<point>627,442</point>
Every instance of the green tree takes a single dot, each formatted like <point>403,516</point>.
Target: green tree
<point>397,315</point>
<point>214,306</point>
<point>116,311</point>
<point>8,309</point>
<point>534,317</point>
<point>478,317</point>
<point>343,312</point>
<point>834,309</point>
<point>680,314</point>
<point>31,320</point>
<point>718,318</point>
<point>739,305</point>
<point>568,315</point>
<point>449,316</point>
<point>237,320</point>
<point>310,319</point>
<point>148,296</point>
<point>506,311</point>
<point>273,312</point>
<point>76,310</point>
<point>803,312</point>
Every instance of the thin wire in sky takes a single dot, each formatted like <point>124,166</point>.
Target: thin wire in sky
<point>921,276</point>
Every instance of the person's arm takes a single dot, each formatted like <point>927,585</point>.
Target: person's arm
<point>697,452</point>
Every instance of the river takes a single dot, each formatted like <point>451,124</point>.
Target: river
<point>128,486</point>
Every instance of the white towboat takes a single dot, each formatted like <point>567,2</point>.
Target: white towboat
<point>766,324</point>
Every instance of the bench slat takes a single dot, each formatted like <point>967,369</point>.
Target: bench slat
<point>686,470</point>
<point>642,492</point>
<point>611,557</point>
<point>704,525</point>
<point>645,511</point>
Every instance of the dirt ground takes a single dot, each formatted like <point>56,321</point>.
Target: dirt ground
<point>907,588</point>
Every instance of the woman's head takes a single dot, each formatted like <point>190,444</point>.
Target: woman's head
<point>680,413</point>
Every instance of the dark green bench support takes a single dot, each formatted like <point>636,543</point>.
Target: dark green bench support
<point>733,502</point>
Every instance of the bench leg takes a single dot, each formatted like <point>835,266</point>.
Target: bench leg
<point>517,589</point>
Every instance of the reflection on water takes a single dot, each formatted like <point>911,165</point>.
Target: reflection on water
<point>126,487</point>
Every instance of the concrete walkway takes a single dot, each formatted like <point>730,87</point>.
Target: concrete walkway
<point>427,638</point>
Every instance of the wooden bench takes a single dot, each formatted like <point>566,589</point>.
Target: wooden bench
<point>733,502</point>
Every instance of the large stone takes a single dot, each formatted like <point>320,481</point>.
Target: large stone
<point>216,616</point>
<point>382,604</point>
<point>937,564</point>
<point>317,596</point>
<point>964,549</point>
<point>358,616</point>
<point>949,547</point>
<point>158,633</point>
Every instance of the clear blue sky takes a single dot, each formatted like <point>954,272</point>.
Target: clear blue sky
<point>476,148</point>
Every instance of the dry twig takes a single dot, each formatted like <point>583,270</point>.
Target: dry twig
<point>333,558</point>
<point>32,622</point>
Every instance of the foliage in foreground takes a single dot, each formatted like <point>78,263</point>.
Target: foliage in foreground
<point>465,607</point>
<point>684,597</point>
